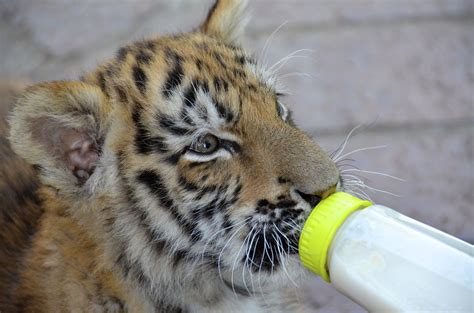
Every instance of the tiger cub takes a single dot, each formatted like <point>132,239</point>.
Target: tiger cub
<point>170,179</point>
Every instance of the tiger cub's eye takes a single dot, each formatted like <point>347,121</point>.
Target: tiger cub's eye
<point>206,144</point>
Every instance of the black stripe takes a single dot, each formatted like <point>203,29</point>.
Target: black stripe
<point>199,65</point>
<point>101,80</point>
<point>144,142</point>
<point>175,76</point>
<point>220,84</point>
<point>204,191</point>
<point>143,57</point>
<point>132,268</point>
<point>142,279</point>
<point>146,44</point>
<point>202,84</point>
<point>156,185</point>
<point>252,87</point>
<point>210,210</point>
<point>178,256</point>
<point>240,59</point>
<point>154,238</point>
<point>219,59</point>
<point>286,204</point>
<point>231,146</point>
<point>239,73</point>
<point>140,78</point>
<point>122,262</point>
<point>122,54</point>
<point>223,112</point>
<point>219,204</point>
<point>190,97</point>
<point>174,158</point>
<point>227,224</point>
<point>122,95</point>
<point>185,117</point>
<point>170,125</point>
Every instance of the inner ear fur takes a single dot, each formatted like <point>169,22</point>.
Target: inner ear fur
<point>226,20</point>
<point>60,127</point>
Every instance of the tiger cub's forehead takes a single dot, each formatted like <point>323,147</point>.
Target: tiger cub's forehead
<point>189,77</point>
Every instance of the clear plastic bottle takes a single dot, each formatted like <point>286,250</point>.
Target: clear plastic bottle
<point>385,261</point>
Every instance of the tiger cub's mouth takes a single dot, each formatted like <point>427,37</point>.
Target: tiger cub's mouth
<point>273,234</point>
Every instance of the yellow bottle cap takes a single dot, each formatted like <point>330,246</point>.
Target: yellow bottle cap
<point>320,229</point>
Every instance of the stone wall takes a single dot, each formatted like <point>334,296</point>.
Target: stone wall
<point>403,69</point>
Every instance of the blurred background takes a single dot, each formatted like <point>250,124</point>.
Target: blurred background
<point>402,69</point>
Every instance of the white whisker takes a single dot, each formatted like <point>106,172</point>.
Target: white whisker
<point>281,257</point>
<point>220,231</point>
<point>223,249</point>
<point>263,53</point>
<point>237,256</point>
<point>359,150</point>
<point>383,191</point>
<point>248,262</point>
<point>335,155</point>
<point>298,74</point>
<point>373,172</point>
<point>286,58</point>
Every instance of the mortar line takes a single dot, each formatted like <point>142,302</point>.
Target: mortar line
<point>419,126</point>
<point>366,23</point>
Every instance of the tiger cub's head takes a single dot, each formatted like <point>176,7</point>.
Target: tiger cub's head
<point>179,152</point>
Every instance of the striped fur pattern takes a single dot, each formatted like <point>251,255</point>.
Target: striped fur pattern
<point>172,181</point>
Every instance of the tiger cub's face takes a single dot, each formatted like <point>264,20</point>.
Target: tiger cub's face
<point>185,145</point>
<point>211,157</point>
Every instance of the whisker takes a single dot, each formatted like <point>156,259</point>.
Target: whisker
<point>294,225</point>
<point>346,165</point>
<point>263,53</point>
<point>335,155</point>
<point>220,231</point>
<point>361,149</point>
<point>260,268</point>
<point>383,191</point>
<point>364,185</point>
<point>286,58</point>
<point>373,172</point>
<point>290,245</point>
<point>358,177</point>
<point>237,256</point>
<point>344,160</point>
<point>283,61</point>
<point>223,249</point>
<point>299,74</point>
<point>281,253</point>
<point>357,192</point>
<point>265,243</point>
<point>247,263</point>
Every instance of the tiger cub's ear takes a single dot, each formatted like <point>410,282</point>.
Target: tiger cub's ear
<point>226,20</point>
<point>60,127</point>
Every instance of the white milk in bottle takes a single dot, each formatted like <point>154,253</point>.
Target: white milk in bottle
<point>385,261</point>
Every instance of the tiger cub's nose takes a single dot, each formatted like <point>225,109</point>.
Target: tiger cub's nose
<point>313,199</point>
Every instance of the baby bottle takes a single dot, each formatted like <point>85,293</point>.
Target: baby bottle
<point>385,261</point>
